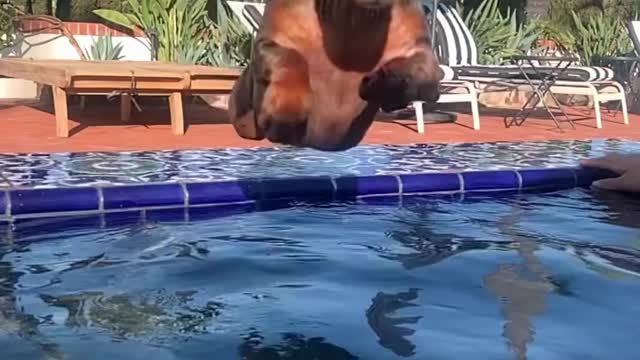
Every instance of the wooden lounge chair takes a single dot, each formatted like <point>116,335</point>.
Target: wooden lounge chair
<point>121,77</point>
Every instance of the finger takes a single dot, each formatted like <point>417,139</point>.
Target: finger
<point>618,184</point>
<point>608,162</point>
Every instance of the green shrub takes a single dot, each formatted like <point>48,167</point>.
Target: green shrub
<point>506,7</point>
<point>601,35</point>
<point>35,7</point>
<point>230,44</point>
<point>71,10</point>
<point>561,11</point>
<point>82,10</point>
<point>498,36</point>
<point>182,31</point>
<point>589,28</point>
<point>7,32</point>
<point>546,29</point>
<point>102,48</point>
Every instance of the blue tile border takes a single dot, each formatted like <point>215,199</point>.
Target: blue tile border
<point>430,183</point>
<point>489,180</point>
<point>3,204</point>
<point>553,178</point>
<point>223,191</point>
<point>48,202</point>
<point>44,201</point>
<point>351,187</point>
<point>296,188</point>
<point>151,195</point>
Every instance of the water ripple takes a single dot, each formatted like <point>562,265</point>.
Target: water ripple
<point>494,277</point>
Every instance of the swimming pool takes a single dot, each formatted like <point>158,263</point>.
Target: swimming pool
<point>552,273</point>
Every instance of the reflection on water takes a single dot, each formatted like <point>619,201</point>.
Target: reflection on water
<point>391,334</point>
<point>293,347</point>
<point>13,320</point>
<point>125,317</point>
<point>429,242</point>
<point>523,287</point>
<point>336,282</point>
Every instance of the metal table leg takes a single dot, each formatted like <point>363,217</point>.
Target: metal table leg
<point>540,91</point>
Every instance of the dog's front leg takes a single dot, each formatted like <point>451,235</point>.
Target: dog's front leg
<point>273,97</point>
<point>283,92</point>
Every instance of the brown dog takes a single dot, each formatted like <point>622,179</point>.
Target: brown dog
<point>322,69</point>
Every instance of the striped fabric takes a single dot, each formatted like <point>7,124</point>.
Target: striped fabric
<point>448,73</point>
<point>457,49</point>
<point>253,16</point>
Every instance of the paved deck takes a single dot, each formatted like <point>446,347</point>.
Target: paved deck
<point>29,127</point>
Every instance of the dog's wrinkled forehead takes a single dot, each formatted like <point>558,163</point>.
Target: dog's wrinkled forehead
<point>375,3</point>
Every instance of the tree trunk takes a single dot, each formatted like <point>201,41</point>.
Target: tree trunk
<point>63,9</point>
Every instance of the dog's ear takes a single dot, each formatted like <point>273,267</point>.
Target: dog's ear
<point>242,107</point>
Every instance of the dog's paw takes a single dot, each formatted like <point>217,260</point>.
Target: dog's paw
<point>284,114</point>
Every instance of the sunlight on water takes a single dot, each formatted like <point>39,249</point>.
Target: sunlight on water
<point>553,276</point>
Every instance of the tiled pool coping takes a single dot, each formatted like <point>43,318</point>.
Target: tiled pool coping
<point>86,200</point>
<point>36,170</point>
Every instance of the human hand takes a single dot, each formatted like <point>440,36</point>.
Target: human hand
<point>627,166</point>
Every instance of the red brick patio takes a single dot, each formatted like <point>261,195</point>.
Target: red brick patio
<point>29,128</point>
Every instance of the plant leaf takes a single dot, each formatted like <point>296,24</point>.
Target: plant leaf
<point>115,17</point>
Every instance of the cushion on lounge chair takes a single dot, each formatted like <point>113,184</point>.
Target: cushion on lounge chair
<point>449,74</point>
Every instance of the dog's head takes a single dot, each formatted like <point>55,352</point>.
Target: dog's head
<point>376,3</point>
<point>380,32</point>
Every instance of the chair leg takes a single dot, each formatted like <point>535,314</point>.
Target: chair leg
<point>474,106</point>
<point>417,105</point>
<point>62,112</point>
<point>596,109</point>
<point>625,112</point>
<point>83,102</point>
<point>475,114</point>
<point>177,113</point>
<point>623,102</point>
<point>125,107</point>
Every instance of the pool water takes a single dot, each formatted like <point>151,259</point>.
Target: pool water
<point>535,276</point>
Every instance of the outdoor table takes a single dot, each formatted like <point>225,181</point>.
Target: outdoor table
<point>626,71</point>
<point>541,85</point>
<point>122,78</point>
